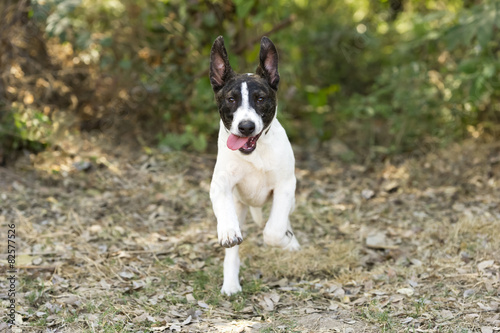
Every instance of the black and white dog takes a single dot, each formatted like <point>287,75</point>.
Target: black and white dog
<point>255,160</point>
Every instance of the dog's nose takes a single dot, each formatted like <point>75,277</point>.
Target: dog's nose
<point>246,127</point>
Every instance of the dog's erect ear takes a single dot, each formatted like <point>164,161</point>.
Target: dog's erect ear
<point>268,67</point>
<point>220,70</point>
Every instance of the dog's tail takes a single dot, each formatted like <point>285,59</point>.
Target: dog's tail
<point>256,213</point>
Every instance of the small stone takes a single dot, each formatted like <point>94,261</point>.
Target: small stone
<point>367,194</point>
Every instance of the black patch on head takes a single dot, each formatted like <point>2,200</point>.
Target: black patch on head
<point>261,97</point>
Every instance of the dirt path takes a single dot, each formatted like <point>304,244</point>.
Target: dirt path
<point>114,244</point>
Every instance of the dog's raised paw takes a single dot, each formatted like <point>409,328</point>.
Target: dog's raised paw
<point>285,240</point>
<point>230,238</point>
<point>293,245</point>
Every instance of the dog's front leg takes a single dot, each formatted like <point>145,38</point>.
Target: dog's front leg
<point>221,195</point>
<point>278,231</point>
<point>231,284</point>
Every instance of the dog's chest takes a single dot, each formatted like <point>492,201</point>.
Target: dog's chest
<point>255,187</point>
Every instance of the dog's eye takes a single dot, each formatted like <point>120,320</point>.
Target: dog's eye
<point>260,99</point>
<point>231,100</point>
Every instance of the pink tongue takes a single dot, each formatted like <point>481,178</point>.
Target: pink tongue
<point>235,142</point>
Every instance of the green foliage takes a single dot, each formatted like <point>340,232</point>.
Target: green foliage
<point>439,77</point>
<point>24,128</point>
<point>372,75</point>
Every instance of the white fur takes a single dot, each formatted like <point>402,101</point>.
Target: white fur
<point>245,112</point>
<point>241,181</point>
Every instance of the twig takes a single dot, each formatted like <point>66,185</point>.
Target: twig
<point>283,24</point>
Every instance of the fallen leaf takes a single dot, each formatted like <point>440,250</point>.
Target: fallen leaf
<point>446,314</point>
<point>485,307</point>
<point>486,329</point>
<point>416,262</point>
<point>69,300</point>
<point>309,310</point>
<point>138,284</point>
<point>333,306</point>
<point>379,241</point>
<point>187,321</point>
<point>471,316</point>
<point>177,314</point>
<point>269,301</point>
<point>247,309</point>
<point>190,298</point>
<point>126,275</point>
<point>37,261</point>
<point>143,317</point>
<point>360,301</point>
<point>391,186</point>
<point>339,293</point>
<point>202,304</point>
<point>485,264</point>
<point>406,291</point>
<point>175,328</point>
<point>396,298</point>
<point>104,284</point>
<point>469,293</point>
<point>367,194</point>
<point>420,215</point>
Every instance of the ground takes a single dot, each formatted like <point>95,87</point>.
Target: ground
<point>126,242</point>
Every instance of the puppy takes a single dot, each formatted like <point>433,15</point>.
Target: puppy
<point>255,161</point>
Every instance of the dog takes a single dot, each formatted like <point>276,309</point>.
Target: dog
<point>255,161</point>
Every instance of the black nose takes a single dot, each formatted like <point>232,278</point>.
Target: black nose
<point>246,127</point>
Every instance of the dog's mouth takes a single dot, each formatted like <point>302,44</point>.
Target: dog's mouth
<point>244,144</point>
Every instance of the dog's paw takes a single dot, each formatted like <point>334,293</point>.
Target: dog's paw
<point>230,237</point>
<point>285,240</point>
<point>230,288</point>
<point>293,245</point>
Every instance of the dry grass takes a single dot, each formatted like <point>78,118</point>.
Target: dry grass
<point>129,244</point>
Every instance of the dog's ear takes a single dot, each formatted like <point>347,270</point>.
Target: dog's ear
<point>268,67</point>
<point>220,70</point>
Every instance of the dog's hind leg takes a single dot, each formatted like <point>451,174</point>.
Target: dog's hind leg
<point>256,213</point>
<point>231,284</point>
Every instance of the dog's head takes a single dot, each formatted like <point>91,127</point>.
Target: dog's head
<point>247,102</point>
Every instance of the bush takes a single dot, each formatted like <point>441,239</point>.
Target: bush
<point>383,75</point>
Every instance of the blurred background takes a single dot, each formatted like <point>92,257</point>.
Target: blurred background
<point>375,77</point>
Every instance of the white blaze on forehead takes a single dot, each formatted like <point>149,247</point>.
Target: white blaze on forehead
<point>246,113</point>
<point>244,96</point>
